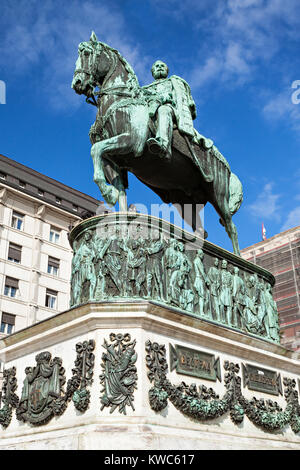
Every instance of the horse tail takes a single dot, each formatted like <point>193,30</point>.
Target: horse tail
<point>235,193</point>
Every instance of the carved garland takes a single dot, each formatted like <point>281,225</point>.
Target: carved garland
<point>82,375</point>
<point>119,382</point>
<point>43,396</point>
<point>9,398</point>
<point>204,404</point>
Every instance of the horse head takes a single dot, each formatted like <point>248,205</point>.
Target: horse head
<point>92,65</point>
<point>100,65</point>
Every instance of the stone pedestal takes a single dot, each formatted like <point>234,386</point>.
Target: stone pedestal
<point>137,375</point>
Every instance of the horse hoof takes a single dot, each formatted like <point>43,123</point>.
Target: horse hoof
<point>111,195</point>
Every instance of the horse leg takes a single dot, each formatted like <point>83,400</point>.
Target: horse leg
<point>117,144</point>
<point>231,230</point>
<point>190,213</point>
<point>122,199</point>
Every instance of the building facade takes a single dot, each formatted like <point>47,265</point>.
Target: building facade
<point>36,214</point>
<point>280,255</point>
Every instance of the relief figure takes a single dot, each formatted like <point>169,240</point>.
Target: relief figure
<point>226,288</point>
<point>213,275</point>
<point>239,300</point>
<point>201,283</point>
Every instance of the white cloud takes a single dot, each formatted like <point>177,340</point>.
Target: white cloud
<point>292,220</point>
<point>266,204</point>
<point>235,62</point>
<point>202,75</point>
<point>245,38</point>
<point>280,107</point>
<point>46,37</point>
<point>241,36</point>
<point>222,67</point>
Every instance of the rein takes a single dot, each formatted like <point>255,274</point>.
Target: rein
<point>108,91</point>
<point>120,90</point>
<point>112,91</point>
<point>92,97</point>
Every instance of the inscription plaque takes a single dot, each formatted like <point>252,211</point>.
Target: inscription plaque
<point>261,380</point>
<point>195,363</point>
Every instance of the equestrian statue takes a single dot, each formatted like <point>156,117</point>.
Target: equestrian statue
<point>149,131</point>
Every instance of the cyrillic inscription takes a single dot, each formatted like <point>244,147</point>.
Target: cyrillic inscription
<point>261,380</point>
<point>195,363</point>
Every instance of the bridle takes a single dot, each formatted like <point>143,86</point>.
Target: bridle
<point>116,90</point>
<point>89,73</point>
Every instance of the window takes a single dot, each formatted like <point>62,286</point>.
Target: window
<point>7,323</point>
<point>54,235</point>
<point>11,286</point>
<point>14,253</point>
<point>58,200</point>
<point>51,298</point>
<point>22,184</point>
<point>40,192</point>
<point>75,208</point>
<point>2,175</point>
<point>17,220</point>
<point>53,266</point>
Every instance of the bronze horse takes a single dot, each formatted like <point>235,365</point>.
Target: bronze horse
<point>192,176</point>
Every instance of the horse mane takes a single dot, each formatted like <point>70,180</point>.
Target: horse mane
<point>128,68</point>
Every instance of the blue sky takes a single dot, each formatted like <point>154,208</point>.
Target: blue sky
<point>239,56</point>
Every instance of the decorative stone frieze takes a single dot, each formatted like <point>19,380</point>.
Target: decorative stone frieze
<point>203,404</point>
<point>135,256</point>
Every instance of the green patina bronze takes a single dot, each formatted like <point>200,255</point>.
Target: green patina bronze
<point>262,380</point>
<point>135,256</point>
<point>195,363</point>
<point>119,377</point>
<point>203,404</point>
<point>8,396</point>
<point>42,394</point>
<point>82,375</point>
<point>43,398</point>
<point>149,131</point>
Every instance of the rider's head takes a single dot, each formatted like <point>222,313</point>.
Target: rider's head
<point>159,70</point>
